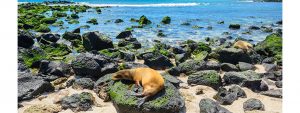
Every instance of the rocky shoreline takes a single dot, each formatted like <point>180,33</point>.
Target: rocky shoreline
<point>74,75</point>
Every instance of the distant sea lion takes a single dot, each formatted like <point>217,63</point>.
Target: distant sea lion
<point>243,45</point>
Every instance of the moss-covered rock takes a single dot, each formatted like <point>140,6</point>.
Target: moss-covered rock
<point>144,20</point>
<point>56,51</point>
<point>58,23</point>
<point>271,46</point>
<point>31,56</point>
<point>208,77</point>
<point>166,20</point>
<point>74,16</point>
<point>49,20</point>
<point>59,14</point>
<point>92,21</point>
<point>167,100</point>
<point>43,28</point>
<point>73,21</point>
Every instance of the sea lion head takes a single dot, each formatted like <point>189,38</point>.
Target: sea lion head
<point>123,74</point>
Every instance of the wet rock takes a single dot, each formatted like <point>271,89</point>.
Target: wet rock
<point>238,90</point>
<point>225,97</point>
<point>233,55</point>
<point>144,20</point>
<point>245,66</point>
<point>96,41</point>
<point>253,104</point>
<point>25,39</point>
<point>77,30</point>
<point>30,86</point>
<point>228,67</point>
<point>131,42</point>
<point>83,83</point>
<point>166,20</point>
<point>221,22</point>
<point>279,22</point>
<point>71,36</point>
<point>60,69</point>
<point>167,100</point>
<point>277,93</point>
<point>177,50</point>
<point>254,28</point>
<point>124,34</point>
<point>278,84</point>
<point>78,102</point>
<point>208,77</point>
<point>157,61</point>
<point>43,108</point>
<point>209,106</point>
<point>91,65</point>
<point>234,26</point>
<point>48,38</point>
<point>119,21</point>
<point>267,29</point>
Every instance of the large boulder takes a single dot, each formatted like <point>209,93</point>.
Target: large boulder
<point>209,106</point>
<point>191,66</point>
<point>78,102</point>
<point>30,86</point>
<point>233,55</point>
<point>157,61</point>
<point>91,65</point>
<point>166,20</point>
<point>48,38</point>
<point>167,100</point>
<point>130,43</point>
<point>25,39</point>
<point>124,34</point>
<point>248,79</point>
<point>71,36</point>
<point>55,68</point>
<point>271,46</point>
<point>208,77</point>
<point>96,41</point>
<point>253,104</point>
<point>31,57</point>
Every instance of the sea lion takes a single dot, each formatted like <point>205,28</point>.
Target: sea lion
<point>151,81</point>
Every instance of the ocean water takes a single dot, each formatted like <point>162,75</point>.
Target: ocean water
<point>202,13</point>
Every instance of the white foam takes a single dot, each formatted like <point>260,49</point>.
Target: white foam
<point>147,5</point>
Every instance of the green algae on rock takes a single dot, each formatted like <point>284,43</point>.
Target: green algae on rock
<point>271,46</point>
<point>144,20</point>
<point>166,20</point>
<point>167,100</point>
<point>56,51</point>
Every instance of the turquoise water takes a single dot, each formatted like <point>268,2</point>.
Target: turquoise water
<point>202,13</point>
